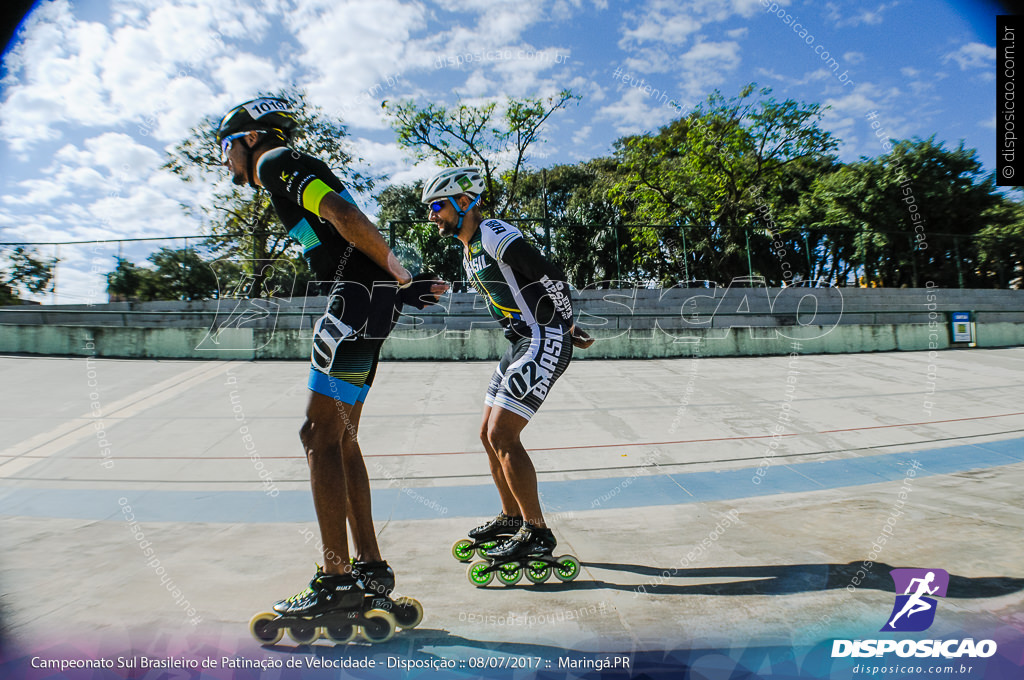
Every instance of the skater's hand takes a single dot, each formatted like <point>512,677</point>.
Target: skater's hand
<point>423,290</point>
<point>580,338</point>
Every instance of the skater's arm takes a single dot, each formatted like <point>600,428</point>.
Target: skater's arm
<point>352,224</point>
<point>526,259</point>
<point>306,184</point>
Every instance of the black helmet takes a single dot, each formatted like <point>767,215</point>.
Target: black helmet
<point>265,112</point>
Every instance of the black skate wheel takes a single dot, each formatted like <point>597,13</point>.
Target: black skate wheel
<point>476,574</point>
<point>509,574</point>
<point>339,635</point>
<point>568,568</point>
<point>267,635</point>
<point>379,626</point>
<point>304,632</point>
<point>408,612</point>
<point>462,550</point>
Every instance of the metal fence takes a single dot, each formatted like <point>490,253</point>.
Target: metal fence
<point>661,254</point>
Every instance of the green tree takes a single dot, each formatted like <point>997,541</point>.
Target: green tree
<point>25,273</point>
<point>1000,245</point>
<point>180,274</point>
<point>494,136</point>
<point>568,214</point>
<point>564,211</point>
<point>125,282</point>
<point>702,172</point>
<point>910,216</point>
<point>416,241</point>
<point>242,223</point>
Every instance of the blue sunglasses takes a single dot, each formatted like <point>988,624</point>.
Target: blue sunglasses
<point>225,143</point>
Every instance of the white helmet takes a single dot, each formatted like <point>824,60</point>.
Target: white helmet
<point>453,182</point>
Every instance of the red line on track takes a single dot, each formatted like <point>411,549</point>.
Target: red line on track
<point>561,448</point>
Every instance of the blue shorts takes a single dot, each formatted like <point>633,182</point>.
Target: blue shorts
<point>344,358</point>
<point>351,372</point>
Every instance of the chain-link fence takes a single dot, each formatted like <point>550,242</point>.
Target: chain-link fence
<point>593,255</point>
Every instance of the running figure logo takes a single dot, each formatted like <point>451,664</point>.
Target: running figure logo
<point>914,611</point>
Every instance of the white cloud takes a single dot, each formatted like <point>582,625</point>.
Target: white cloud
<point>658,27</point>
<point>38,192</point>
<point>636,112</point>
<point>706,65</point>
<point>582,134</point>
<point>150,65</point>
<point>853,57</point>
<point>240,76</point>
<point>862,16</point>
<point>972,55</point>
<point>336,70</point>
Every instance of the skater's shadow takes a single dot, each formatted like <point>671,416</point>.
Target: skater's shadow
<point>786,579</point>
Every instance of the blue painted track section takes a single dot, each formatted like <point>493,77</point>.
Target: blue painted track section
<point>436,502</point>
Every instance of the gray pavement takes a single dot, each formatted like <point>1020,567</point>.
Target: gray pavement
<point>695,525</point>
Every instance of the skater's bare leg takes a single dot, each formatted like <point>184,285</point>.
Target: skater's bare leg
<point>509,506</point>
<point>503,429</point>
<point>360,516</point>
<point>321,437</point>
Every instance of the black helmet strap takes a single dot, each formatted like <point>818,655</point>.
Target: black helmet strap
<point>250,163</point>
<point>250,155</point>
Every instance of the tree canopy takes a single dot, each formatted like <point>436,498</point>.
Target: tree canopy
<point>242,224</point>
<point>25,273</point>
<point>736,186</point>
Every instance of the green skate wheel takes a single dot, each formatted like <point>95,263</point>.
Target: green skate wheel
<point>462,551</point>
<point>509,574</point>
<point>537,572</point>
<point>263,632</point>
<point>484,547</point>
<point>304,632</point>
<point>408,612</point>
<point>339,635</point>
<point>477,576</point>
<point>379,626</point>
<point>568,568</point>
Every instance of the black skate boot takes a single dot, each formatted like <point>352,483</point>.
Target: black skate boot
<point>529,541</point>
<point>378,581</point>
<point>527,552</point>
<point>500,526</point>
<point>326,592</point>
<point>486,536</point>
<point>377,578</point>
<point>334,605</point>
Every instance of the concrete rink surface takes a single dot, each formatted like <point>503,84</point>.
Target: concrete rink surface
<point>734,516</point>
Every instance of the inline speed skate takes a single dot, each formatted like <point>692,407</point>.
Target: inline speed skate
<point>527,552</point>
<point>378,582</point>
<point>486,536</point>
<point>337,607</point>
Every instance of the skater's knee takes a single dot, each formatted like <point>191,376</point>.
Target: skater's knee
<point>318,436</point>
<point>306,433</point>
<point>502,440</point>
<point>350,448</point>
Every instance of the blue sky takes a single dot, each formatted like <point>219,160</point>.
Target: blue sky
<point>92,93</point>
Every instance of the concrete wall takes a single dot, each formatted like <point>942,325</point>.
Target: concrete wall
<point>637,323</point>
<point>721,307</point>
<point>486,344</point>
